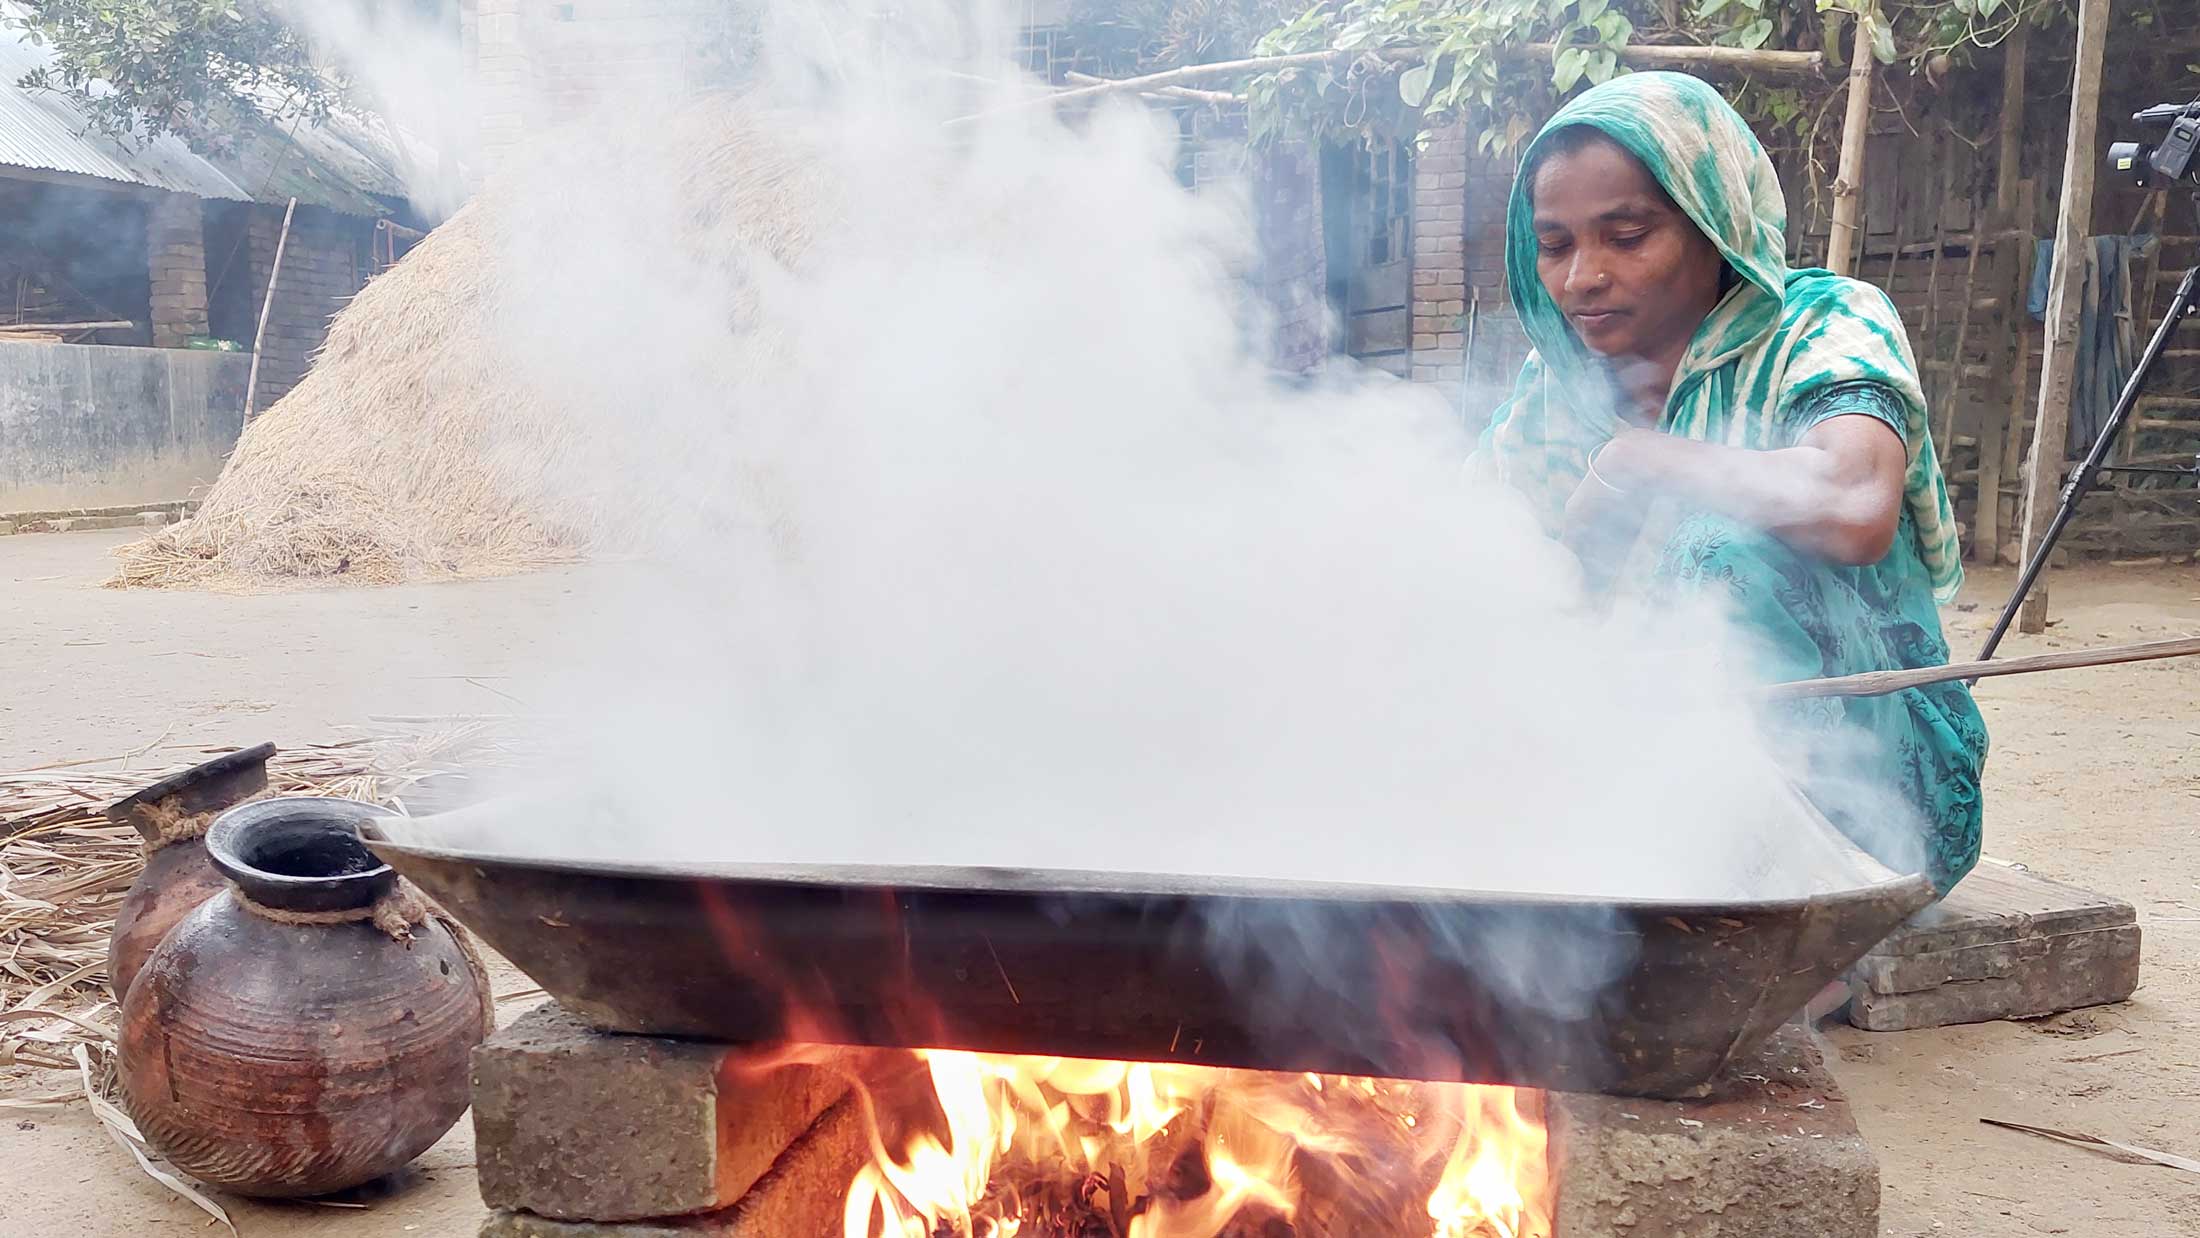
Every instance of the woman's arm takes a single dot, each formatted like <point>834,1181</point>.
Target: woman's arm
<point>1837,493</point>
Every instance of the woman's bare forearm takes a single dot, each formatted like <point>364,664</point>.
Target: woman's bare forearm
<point>1837,495</point>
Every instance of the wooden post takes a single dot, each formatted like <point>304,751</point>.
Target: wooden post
<point>1997,426</point>
<point>1998,448</point>
<point>1842,242</point>
<point>2059,352</point>
<point>259,337</point>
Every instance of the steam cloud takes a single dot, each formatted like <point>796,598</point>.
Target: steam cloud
<point>980,536</point>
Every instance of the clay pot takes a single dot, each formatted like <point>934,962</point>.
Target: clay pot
<point>173,815</point>
<point>310,1031</point>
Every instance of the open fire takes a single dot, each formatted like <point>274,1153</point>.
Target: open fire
<point>975,1145</point>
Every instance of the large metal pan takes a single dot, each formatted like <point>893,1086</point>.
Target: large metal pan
<point>1579,994</point>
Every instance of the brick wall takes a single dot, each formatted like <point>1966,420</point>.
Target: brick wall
<point>1459,288</point>
<point>1294,269</point>
<point>321,272</point>
<point>175,234</point>
<point>541,62</point>
<point>1439,256</point>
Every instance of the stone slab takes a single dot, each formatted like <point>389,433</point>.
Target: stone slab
<point>1773,1152</point>
<point>801,1197</point>
<point>2005,943</point>
<point>574,1124</point>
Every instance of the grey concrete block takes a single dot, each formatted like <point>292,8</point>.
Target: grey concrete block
<point>1772,1153</point>
<point>2005,943</point>
<point>574,1124</point>
<point>802,1196</point>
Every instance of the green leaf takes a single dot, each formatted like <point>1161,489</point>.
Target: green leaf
<point>1413,84</point>
<point>1987,8</point>
<point>1614,28</point>
<point>1602,65</point>
<point>1710,8</point>
<point>1569,66</point>
<point>1755,34</point>
<point>1882,42</point>
<point>1592,9</point>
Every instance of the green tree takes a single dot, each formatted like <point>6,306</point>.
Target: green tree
<point>140,68</point>
<point>1404,63</point>
<point>172,66</point>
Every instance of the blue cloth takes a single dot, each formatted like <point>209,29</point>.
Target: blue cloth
<point>2108,345</point>
<point>1899,773</point>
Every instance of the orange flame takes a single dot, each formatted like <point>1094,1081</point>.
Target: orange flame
<point>1025,1146</point>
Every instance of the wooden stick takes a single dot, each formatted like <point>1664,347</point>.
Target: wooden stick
<point>2059,360</point>
<point>1215,98</point>
<point>1646,56</point>
<point>65,326</point>
<point>1945,432</point>
<point>1879,683</point>
<point>2012,208</point>
<point>1842,241</point>
<point>1929,332</point>
<point>259,337</point>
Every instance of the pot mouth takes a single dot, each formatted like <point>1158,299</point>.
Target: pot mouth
<point>206,787</point>
<point>301,853</point>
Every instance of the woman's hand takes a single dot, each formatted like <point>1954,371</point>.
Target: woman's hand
<point>1603,517</point>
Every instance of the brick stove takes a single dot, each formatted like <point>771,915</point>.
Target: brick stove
<point>587,1135</point>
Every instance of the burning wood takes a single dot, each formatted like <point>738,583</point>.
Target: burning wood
<point>997,1146</point>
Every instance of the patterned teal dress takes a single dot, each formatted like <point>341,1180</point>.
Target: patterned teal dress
<point>1783,351</point>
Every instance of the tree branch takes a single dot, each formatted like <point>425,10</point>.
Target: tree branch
<point>1216,98</point>
<point>1638,56</point>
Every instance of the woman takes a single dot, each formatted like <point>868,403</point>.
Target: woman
<point>1774,416</point>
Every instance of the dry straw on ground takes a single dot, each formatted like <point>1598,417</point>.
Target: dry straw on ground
<point>64,867</point>
<point>425,442</point>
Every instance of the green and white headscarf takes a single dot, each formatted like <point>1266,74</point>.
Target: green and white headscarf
<point>1776,338</point>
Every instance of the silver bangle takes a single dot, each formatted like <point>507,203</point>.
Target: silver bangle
<point>1599,477</point>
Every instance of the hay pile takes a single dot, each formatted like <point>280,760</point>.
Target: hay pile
<point>427,443</point>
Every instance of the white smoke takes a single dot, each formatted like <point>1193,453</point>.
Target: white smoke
<point>1007,551</point>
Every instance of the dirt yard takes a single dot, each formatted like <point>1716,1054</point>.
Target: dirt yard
<point>2094,778</point>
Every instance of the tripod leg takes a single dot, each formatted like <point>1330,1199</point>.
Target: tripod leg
<point>2081,480</point>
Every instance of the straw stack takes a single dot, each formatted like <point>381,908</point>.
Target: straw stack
<point>416,447</point>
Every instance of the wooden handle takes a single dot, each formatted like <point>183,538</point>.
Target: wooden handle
<point>1879,683</point>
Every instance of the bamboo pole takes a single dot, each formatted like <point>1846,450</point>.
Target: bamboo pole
<point>1998,428</point>
<point>2059,358</point>
<point>1183,94</point>
<point>1879,683</point>
<point>1929,332</point>
<point>1642,56</point>
<point>1842,242</point>
<point>1946,430</point>
<point>259,337</point>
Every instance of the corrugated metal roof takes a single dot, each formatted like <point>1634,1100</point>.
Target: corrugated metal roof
<point>345,163</point>
<point>43,129</point>
<point>348,163</point>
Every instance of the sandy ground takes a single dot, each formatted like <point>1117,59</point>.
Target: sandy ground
<point>2094,778</point>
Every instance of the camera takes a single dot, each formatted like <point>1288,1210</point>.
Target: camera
<point>2171,159</point>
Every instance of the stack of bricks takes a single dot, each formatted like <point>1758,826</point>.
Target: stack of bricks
<point>1460,197</point>
<point>1439,256</point>
<point>1294,267</point>
<point>176,245</point>
<point>320,274</point>
<point>584,1135</point>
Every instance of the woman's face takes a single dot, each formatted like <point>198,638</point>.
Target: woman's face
<point>1631,272</point>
